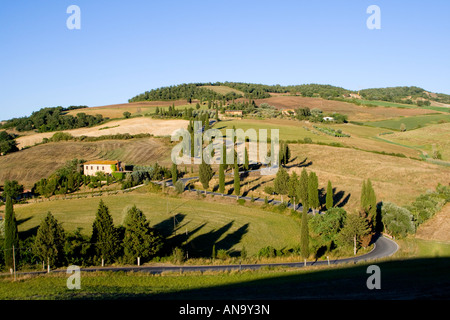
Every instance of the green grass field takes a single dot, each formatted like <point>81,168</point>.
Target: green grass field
<point>387,104</point>
<point>228,226</point>
<point>401,105</point>
<point>404,279</point>
<point>411,123</point>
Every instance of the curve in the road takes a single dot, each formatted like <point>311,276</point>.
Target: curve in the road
<point>383,247</point>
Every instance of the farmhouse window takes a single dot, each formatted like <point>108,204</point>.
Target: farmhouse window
<point>103,168</point>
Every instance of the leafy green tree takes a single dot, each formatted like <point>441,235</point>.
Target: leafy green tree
<point>328,225</point>
<point>50,241</point>
<point>127,114</point>
<point>205,174</point>
<point>304,235</point>
<point>281,182</point>
<point>313,191</point>
<point>237,180</point>
<point>354,229</point>
<point>139,240</point>
<point>7,143</point>
<point>11,233</point>
<point>397,221</point>
<point>329,197</point>
<point>105,237</point>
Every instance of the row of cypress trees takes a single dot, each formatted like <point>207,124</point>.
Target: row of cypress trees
<point>108,243</point>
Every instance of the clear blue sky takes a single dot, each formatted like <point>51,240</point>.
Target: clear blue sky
<point>127,47</point>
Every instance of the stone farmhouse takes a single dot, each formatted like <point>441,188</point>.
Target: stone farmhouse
<point>105,166</point>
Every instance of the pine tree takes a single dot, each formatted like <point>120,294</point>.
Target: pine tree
<point>303,190</point>
<point>11,233</point>
<point>49,242</point>
<point>205,174</point>
<point>237,180</point>
<point>174,172</point>
<point>222,178</point>
<point>329,198</point>
<point>313,191</point>
<point>304,236</point>
<point>139,239</point>
<point>105,237</point>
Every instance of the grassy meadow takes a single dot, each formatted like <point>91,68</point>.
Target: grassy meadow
<point>412,122</point>
<point>206,223</point>
<point>335,282</point>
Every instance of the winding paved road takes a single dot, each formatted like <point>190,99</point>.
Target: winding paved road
<point>383,247</point>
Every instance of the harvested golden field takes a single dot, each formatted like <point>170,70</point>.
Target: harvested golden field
<point>30,165</point>
<point>437,228</point>
<point>132,126</point>
<point>395,179</point>
<point>354,112</point>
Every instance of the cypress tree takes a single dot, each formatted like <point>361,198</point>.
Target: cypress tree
<point>11,233</point>
<point>105,237</point>
<point>313,191</point>
<point>363,196</point>
<point>205,174</point>
<point>293,186</point>
<point>329,198</point>
<point>49,242</point>
<point>371,204</point>
<point>281,183</point>
<point>174,172</point>
<point>303,190</point>
<point>139,239</point>
<point>246,164</point>
<point>237,180</point>
<point>304,236</point>
<point>222,178</point>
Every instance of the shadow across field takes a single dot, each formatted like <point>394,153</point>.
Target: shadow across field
<point>405,279</point>
<point>174,229</point>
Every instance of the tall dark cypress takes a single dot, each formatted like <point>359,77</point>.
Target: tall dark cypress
<point>11,233</point>
<point>105,237</point>
<point>304,236</point>
<point>329,198</point>
<point>237,180</point>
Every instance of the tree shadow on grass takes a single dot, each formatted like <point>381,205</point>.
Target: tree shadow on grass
<point>338,198</point>
<point>202,245</point>
<point>232,239</point>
